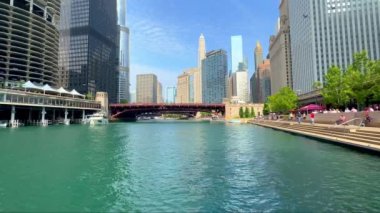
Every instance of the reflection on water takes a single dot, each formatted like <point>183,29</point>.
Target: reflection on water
<point>176,166</point>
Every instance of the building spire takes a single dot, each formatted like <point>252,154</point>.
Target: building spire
<point>201,50</point>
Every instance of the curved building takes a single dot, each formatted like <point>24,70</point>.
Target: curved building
<point>29,40</point>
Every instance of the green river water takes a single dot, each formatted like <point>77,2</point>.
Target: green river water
<point>181,167</point>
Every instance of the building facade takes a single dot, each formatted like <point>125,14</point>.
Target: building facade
<point>146,88</point>
<point>29,41</point>
<point>280,52</point>
<point>258,55</point>
<point>240,84</point>
<point>198,75</point>
<point>214,77</point>
<point>89,47</point>
<point>329,32</point>
<point>123,68</point>
<point>159,93</point>
<point>183,88</point>
<point>171,95</point>
<point>261,83</point>
<point>236,52</point>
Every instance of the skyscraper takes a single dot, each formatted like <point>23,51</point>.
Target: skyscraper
<point>183,88</point>
<point>123,75</point>
<point>198,75</point>
<point>29,40</point>
<point>261,83</point>
<point>236,52</point>
<point>88,46</point>
<point>146,88</point>
<point>159,92</point>
<point>329,32</point>
<point>240,83</point>
<point>214,77</point>
<point>280,52</point>
<point>258,55</point>
<point>170,95</point>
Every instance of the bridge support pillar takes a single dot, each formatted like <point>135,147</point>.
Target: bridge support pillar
<point>43,121</point>
<point>66,121</point>
<point>13,114</point>
<point>83,116</point>
<point>53,115</point>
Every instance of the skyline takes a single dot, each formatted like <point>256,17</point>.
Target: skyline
<point>178,27</point>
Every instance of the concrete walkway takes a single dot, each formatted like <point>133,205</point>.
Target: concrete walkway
<point>367,138</point>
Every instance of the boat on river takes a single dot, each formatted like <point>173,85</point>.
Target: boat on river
<point>98,118</point>
<point>3,124</point>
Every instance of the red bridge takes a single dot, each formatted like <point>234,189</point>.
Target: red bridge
<point>132,111</point>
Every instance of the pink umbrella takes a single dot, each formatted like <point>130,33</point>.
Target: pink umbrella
<point>311,107</point>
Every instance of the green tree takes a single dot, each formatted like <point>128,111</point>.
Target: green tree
<point>317,85</point>
<point>123,101</point>
<point>241,113</point>
<point>266,109</point>
<point>283,101</point>
<point>90,96</point>
<point>361,77</point>
<point>253,115</point>
<point>336,88</point>
<point>246,113</point>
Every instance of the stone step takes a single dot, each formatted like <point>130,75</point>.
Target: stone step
<point>357,138</point>
<point>352,134</point>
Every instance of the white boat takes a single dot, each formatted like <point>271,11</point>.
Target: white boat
<point>3,124</point>
<point>98,118</point>
<point>235,121</point>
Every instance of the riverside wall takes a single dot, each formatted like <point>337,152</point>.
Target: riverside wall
<point>331,118</point>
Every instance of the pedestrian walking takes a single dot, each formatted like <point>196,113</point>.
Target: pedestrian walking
<point>312,116</point>
<point>299,117</point>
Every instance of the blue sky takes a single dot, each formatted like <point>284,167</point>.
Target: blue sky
<point>164,33</point>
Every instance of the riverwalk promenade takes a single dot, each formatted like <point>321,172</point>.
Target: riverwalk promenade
<point>367,138</point>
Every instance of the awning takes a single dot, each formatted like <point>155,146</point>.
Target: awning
<point>63,91</point>
<point>75,93</point>
<point>48,88</point>
<point>30,85</point>
<point>311,107</point>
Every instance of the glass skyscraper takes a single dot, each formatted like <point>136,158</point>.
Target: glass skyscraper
<point>214,77</point>
<point>89,46</point>
<point>330,32</point>
<point>123,75</point>
<point>171,94</point>
<point>236,52</point>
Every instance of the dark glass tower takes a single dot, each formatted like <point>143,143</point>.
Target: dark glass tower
<point>89,46</point>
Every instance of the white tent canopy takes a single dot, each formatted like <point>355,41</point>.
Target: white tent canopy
<point>48,88</point>
<point>74,92</point>
<point>63,91</point>
<point>30,85</point>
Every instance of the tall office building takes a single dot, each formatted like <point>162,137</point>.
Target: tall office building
<point>146,88</point>
<point>280,52</point>
<point>183,88</point>
<point>29,40</point>
<point>240,84</point>
<point>198,75</point>
<point>258,55</point>
<point>170,95</point>
<point>261,83</point>
<point>236,52</point>
<point>124,72</point>
<point>89,46</point>
<point>329,32</point>
<point>214,77</point>
<point>159,92</point>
